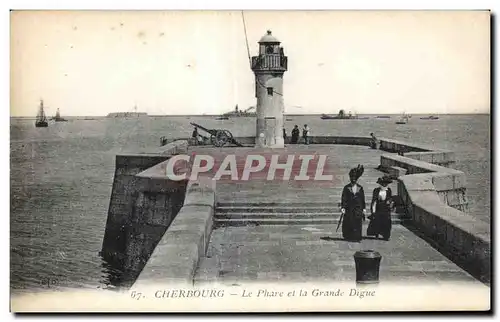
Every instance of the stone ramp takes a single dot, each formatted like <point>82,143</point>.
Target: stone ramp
<point>310,253</point>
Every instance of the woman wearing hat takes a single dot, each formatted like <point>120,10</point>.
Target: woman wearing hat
<point>353,206</point>
<point>381,206</point>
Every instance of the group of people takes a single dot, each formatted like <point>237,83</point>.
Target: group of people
<point>306,134</point>
<point>353,208</point>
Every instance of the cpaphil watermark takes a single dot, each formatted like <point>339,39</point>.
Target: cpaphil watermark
<point>251,166</point>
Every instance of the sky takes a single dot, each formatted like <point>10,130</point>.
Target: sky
<point>90,63</point>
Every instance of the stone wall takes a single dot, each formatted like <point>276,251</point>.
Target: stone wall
<point>434,198</point>
<point>348,140</point>
<point>463,238</point>
<point>140,210</point>
<point>176,257</point>
<point>418,151</point>
<point>449,184</point>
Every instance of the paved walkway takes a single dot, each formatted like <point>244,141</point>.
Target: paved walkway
<point>317,253</point>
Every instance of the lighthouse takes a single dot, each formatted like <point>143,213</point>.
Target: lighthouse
<point>269,67</point>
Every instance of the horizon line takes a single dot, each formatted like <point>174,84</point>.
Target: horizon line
<point>219,115</point>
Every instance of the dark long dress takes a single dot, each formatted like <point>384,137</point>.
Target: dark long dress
<point>295,136</point>
<point>353,218</point>
<point>380,223</point>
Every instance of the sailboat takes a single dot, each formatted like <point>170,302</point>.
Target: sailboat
<point>41,119</point>
<point>58,117</point>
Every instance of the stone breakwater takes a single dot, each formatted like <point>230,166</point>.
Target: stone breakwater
<point>142,206</point>
<point>158,229</point>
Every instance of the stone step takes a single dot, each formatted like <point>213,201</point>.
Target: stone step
<point>243,204</point>
<point>287,186</point>
<point>278,209</point>
<point>273,204</point>
<point>282,221</point>
<point>278,202</point>
<point>320,190</point>
<point>287,216</point>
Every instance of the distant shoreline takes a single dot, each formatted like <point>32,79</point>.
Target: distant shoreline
<point>218,115</point>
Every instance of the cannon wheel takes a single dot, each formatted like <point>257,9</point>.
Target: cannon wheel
<point>221,137</point>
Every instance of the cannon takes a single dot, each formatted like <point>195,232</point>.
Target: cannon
<point>218,138</point>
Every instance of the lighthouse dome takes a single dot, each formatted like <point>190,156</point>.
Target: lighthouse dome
<point>268,38</point>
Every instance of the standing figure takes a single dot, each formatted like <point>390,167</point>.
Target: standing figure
<point>381,206</point>
<point>374,142</point>
<point>194,135</point>
<point>284,134</point>
<point>306,131</point>
<point>295,134</point>
<point>353,206</point>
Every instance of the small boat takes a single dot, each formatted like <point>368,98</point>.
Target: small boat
<point>383,117</point>
<point>58,117</point>
<point>289,119</point>
<point>222,118</point>
<point>41,118</point>
<point>431,117</point>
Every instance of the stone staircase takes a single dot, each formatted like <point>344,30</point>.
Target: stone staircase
<point>262,202</point>
<point>272,213</point>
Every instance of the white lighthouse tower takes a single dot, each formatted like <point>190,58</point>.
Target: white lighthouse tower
<point>269,67</point>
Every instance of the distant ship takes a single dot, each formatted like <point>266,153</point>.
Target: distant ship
<point>431,117</point>
<point>340,116</point>
<point>41,118</point>
<point>239,113</point>
<point>403,119</point>
<point>58,117</point>
<point>134,114</point>
<point>383,117</point>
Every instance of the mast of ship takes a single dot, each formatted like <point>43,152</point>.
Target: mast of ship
<point>41,113</point>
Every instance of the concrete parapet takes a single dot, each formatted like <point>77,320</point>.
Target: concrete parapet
<point>178,146</point>
<point>418,151</point>
<point>400,146</point>
<point>450,184</point>
<point>396,172</point>
<point>460,236</point>
<point>413,165</point>
<point>201,192</point>
<point>176,257</point>
<point>347,140</point>
<point>326,139</point>
<point>435,199</point>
